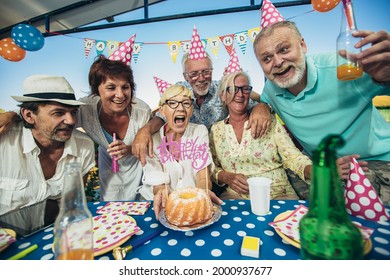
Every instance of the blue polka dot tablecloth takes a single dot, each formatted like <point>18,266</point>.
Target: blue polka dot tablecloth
<point>219,241</point>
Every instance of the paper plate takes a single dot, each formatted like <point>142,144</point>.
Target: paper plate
<point>212,220</point>
<point>111,230</point>
<point>367,243</point>
<point>11,233</point>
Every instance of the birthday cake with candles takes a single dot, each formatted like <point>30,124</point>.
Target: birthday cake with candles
<point>188,206</point>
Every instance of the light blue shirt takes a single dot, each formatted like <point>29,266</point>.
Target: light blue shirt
<point>329,106</point>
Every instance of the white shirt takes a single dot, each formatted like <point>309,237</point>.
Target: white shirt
<point>123,185</point>
<point>22,181</point>
<point>195,155</point>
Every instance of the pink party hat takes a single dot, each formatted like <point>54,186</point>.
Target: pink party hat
<point>361,199</point>
<point>270,14</point>
<point>161,85</point>
<point>197,51</point>
<point>124,52</point>
<point>234,65</point>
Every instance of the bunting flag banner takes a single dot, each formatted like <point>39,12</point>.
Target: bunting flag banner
<point>100,46</point>
<point>252,33</point>
<point>174,48</point>
<point>137,51</point>
<point>112,46</point>
<point>186,45</point>
<point>214,45</point>
<point>228,41</point>
<point>241,39</point>
<point>88,45</point>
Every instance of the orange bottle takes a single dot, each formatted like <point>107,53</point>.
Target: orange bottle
<point>348,68</point>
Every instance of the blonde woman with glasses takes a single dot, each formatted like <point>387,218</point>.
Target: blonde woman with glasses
<point>181,154</point>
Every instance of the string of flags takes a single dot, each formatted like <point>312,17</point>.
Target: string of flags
<point>174,47</point>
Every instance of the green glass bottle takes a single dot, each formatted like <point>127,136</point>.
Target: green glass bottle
<point>326,231</point>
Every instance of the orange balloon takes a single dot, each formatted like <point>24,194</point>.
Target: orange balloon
<point>10,51</point>
<point>324,6</point>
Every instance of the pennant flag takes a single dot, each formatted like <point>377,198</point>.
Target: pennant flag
<point>361,198</point>
<point>125,51</point>
<point>100,46</point>
<point>88,44</point>
<point>252,33</point>
<point>186,45</point>
<point>174,48</point>
<point>112,46</point>
<point>242,38</point>
<point>228,41</point>
<point>137,50</point>
<point>214,45</point>
<point>161,85</point>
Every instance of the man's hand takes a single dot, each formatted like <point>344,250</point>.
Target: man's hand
<point>7,120</point>
<point>344,164</point>
<point>376,58</point>
<point>142,145</point>
<point>259,120</point>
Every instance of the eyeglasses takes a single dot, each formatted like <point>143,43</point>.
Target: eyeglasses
<point>244,89</point>
<point>195,74</point>
<point>173,104</point>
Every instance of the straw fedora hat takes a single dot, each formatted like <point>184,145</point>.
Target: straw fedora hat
<point>48,88</point>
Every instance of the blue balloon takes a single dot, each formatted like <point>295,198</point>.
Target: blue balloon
<point>27,37</point>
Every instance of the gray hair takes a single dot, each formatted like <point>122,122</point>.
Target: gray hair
<point>228,81</point>
<point>186,57</point>
<point>269,30</point>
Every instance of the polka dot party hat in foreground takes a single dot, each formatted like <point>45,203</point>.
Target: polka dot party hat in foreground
<point>361,199</point>
<point>234,64</point>
<point>270,14</point>
<point>125,51</point>
<point>196,51</point>
<point>161,85</point>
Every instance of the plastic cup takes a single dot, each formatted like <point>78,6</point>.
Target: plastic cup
<point>259,192</point>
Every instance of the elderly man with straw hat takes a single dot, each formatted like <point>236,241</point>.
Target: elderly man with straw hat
<point>35,151</point>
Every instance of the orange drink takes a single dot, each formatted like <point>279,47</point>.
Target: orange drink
<point>346,72</point>
<point>77,254</point>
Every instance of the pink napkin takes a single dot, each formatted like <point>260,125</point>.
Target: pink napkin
<point>289,226</point>
<point>128,208</point>
<point>361,198</point>
<point>5,239</point>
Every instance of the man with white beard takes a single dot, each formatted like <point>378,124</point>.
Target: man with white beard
<point>305,93</point>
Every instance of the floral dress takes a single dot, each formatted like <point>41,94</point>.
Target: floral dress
<point>268,156</point>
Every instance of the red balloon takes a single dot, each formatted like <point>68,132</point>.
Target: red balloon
<point>324,6</point>
<point>10,51</point>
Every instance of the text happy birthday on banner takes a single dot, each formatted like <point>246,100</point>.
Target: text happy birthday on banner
<point>174,47</point>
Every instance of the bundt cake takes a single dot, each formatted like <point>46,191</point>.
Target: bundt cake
<point>188,206</point>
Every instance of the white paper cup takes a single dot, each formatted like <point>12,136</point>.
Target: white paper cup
<point>259,192</point>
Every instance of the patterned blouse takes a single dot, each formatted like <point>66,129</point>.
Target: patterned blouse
<point>267,156</point>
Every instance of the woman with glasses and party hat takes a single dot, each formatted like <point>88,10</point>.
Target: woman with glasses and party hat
<point>237,156</point>
<point>181,154</point>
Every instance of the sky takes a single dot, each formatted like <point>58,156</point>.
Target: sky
<point>65,56</point>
